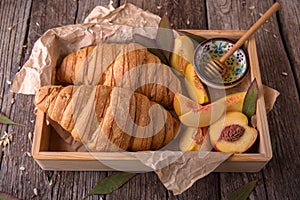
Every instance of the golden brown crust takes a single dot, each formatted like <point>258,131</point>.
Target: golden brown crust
<point>111,63</point>
<point>97,128</point>
<point>71,64</point>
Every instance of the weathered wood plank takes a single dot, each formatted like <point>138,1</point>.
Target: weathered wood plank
<point>141,186</point>
<point>232,181</point>
<point>205,188</point>
<point>13,23</point>
<point>22,183</point>
<point>279,176</point>
<point>69,185</point>
<point>85,7</point>
<point>73,185</point>
<point>289,23</point>
<point>182,14</point>
<point>13,31</point>
<point>49,14</point>
<point>273,61</point>
<point>144,185</point>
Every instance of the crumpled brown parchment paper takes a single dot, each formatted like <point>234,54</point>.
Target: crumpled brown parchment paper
<point>103,24</point>
<point>177,170</point>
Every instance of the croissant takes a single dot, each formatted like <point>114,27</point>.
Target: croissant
<point>108,118</point>
<point>129,66</point>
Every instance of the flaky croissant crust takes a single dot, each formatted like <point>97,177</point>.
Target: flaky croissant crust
<point>88,113</point>
<point>108,64</point>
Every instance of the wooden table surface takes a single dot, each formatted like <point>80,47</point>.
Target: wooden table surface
<point>23,22</point>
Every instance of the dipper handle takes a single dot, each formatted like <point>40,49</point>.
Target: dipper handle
<point>253,28</point>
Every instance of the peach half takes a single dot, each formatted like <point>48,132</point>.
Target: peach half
<point>195,139</point>
<point>208,114</point>
<point>194,86</point>
<point>232,134</point>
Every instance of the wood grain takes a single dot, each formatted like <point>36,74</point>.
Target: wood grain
<point>232,181</point>
<point>49,14</point>
<point>15,15</point>
<point>31,19</point>
<point>224,16</point>
<point>182,14</point>
<point>146,186</point>
<point>22,22</point>
<point>85,7</point>
<point>206,188</point>
<point>273,61</point>
<point>289,24</point>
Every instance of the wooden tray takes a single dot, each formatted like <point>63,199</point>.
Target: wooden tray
<point>85,161</point>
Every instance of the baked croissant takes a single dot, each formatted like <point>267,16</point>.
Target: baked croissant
<point>129,66</point>
<point>108,118</point>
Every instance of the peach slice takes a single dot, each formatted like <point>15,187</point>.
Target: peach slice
<point>234,102</point>
<point>183,104</point>
<point>203,116</point>
<point>208,114</point>
<point>182,54</point>
<point>195,139</point>
<point>194,86</point>
<point>232,134</point>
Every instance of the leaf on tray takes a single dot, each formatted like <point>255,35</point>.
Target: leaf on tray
<point>5,196</point>
<point>160,55</point>
<point>6,120</point>
<point>111,183</point>
<point>249,105</point>
<point>150,44</point>
<point>243,192</point>
<point>194,37</point>
<point>144,41</point>
<point>165,36</point>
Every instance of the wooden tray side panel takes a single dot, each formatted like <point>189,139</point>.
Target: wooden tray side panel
<point>241,166</point>
<point>41,134</point>
<point>92,165</point>
<point>262,122</point>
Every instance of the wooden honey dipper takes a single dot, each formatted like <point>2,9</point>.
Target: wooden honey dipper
<point>215,68</point>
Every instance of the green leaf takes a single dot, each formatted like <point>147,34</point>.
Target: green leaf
<point>159,53</point>
<point>194,37</point>
<point>6,120</point>
<point>5,196</point>
<point>243,192</point>
<point>150,44</point>
<point>249,105</point>
<point>165,37</point>
<point>144,41</point>
<point>164,22</point>
<point>111,183</point>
